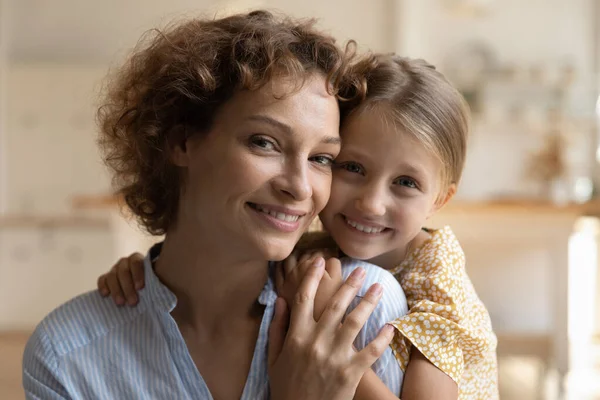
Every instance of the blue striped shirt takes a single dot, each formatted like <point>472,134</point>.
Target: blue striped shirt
<point>89,348</point>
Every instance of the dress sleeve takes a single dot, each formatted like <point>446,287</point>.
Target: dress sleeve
<point>440,323</point>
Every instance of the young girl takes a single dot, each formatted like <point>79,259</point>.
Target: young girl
<point>404,147</point>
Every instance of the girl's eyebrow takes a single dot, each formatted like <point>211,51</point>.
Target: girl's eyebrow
<point>411,169</point>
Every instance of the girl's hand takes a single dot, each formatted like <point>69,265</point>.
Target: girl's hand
<point>290,272</point>
<point>316,359</point>
<point>123,280</point>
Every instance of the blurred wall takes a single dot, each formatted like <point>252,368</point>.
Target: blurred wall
<point>57,56</point>
<point>53,56</point>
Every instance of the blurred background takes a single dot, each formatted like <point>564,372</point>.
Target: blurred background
<point>526,213</point>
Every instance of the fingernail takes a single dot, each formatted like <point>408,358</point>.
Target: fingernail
<point>388,330</point>
<point>138,285</point>
<point>119,300</point>
<point>376,289</point>
<point>104,292</point>
<point>319,262</point>
<point>358,273</point>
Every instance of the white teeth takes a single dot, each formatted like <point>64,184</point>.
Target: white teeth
<point>279,215</point>
<point>363,228</point>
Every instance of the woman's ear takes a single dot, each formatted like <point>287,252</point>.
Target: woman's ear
<point>178,147</point>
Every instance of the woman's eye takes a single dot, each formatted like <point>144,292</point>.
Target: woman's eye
<point>323,160</point>
<point>262,143</point>
<point>408,182</point>
<point>351,167</point>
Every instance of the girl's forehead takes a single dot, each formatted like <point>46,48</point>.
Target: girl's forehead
<point>387,144</point>
<point>372,126</point>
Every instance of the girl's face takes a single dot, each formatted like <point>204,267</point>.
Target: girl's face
<point>257,179</point>
<point>385,186</point>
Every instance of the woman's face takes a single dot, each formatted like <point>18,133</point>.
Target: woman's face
<point>257,179</point>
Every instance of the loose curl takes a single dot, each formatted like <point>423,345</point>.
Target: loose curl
<point>175,81</point>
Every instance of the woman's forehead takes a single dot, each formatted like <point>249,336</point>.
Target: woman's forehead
<point>283,103</point>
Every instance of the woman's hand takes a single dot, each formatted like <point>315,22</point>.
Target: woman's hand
<point>316,359</point>
<point>123,280</point>
<point>290,272</point>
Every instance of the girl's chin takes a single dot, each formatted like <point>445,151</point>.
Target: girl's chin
<point>358,254</point>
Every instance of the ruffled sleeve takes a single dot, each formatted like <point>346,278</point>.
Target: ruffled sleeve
<point>445,322</point>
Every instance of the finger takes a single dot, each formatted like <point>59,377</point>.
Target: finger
<point>305,261</point>
<point>337,306</point>
<point>333,267</point>
<point>307,256</point>
<point>102,286</point>
<point>366,357</point>
<point>113,286</point>
<point>354,321</point>
<point>329,253</point>
<point>301,314</point>
<point>279,279</point>
<point>136,264</point>
<point>290,263</point>
<point>125,278</point>
<point>277,330</point>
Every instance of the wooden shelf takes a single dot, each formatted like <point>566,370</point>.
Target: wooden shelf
<point>591,208</point>
<point>96,202</point>
<point>53,222</point>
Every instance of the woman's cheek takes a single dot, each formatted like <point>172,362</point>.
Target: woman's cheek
<point>321,192</point>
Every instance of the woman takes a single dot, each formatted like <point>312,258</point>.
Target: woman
<point>220,135</point>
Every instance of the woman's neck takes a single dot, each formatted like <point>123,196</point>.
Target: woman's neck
<point>213,286</point>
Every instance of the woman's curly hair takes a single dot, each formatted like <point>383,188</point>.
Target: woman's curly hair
<point>174,83</point>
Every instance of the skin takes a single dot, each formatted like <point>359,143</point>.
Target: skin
<point>260,151</point>
<point>388,182</point>
<point>384,179</point>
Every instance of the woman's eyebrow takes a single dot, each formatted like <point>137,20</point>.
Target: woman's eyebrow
<point>272,121</point>
<point>288,129</point>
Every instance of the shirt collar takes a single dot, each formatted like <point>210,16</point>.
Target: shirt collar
<point>162,298</point>
<point>268,295</point>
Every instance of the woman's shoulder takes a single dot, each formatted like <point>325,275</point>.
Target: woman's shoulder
<point>80,321</point>
<point>372,271</point>
<point>392,291</point>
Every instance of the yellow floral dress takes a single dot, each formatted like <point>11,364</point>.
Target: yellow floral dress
<point>447,321</point>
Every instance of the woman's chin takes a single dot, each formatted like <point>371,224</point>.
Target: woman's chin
<point>278,251</point>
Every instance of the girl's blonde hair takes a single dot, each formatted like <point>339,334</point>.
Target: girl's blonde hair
<point>418,99</point>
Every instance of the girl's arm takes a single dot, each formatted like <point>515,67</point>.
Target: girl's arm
<point>371,387</point>
<point>123,280</point>
<point>422,381</point>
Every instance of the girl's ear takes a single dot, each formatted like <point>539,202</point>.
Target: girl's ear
<point>443,200</point>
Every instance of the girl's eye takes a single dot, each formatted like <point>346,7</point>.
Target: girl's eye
<point>323,160</point>
<point>407,182</point>
<point>352,167</point>
<point>262,143</point>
